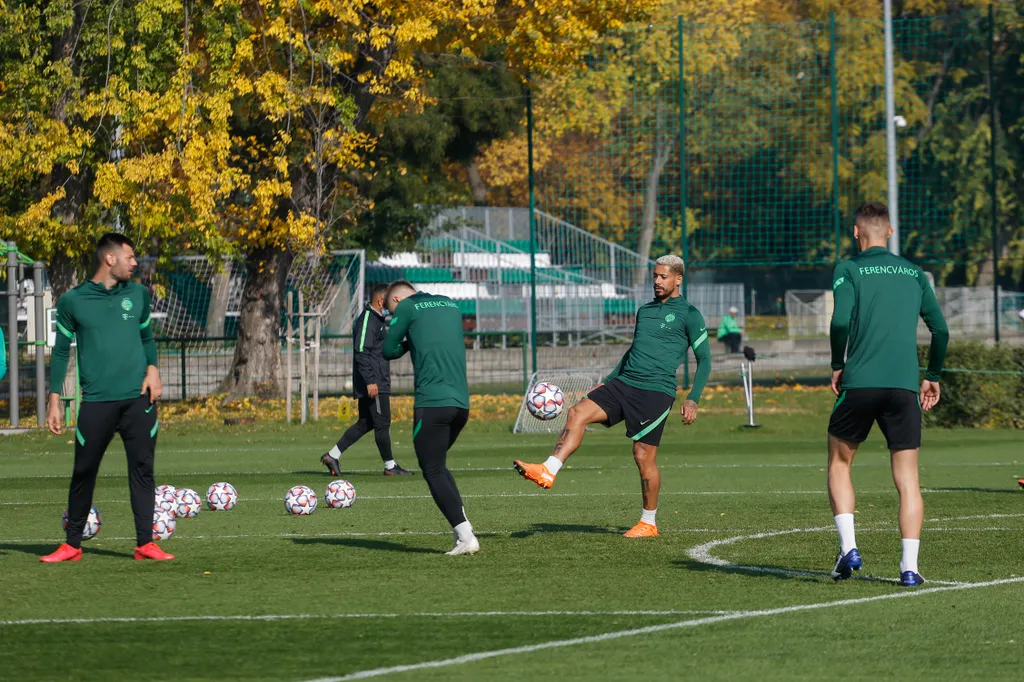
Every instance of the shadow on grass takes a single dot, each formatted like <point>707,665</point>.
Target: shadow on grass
<point>360,543</point>
<point>41,550</point>
<point>545,528</point>
<point>349,475</point>
<point>946,489</point>
<point>777,572</point>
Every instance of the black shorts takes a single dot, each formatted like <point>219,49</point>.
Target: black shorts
<point>897,411</point>
<point>643,411</point>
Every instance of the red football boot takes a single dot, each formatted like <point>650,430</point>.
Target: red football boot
<point>64,553</point>
<point>152,551</point>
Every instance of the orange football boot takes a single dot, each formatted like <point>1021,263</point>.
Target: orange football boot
<point>538,473</point>
<point>152,551</point>
<point>642,530</point>
<point>64,553</point>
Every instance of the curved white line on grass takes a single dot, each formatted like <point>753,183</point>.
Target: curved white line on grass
<point>697,622</point>
<point>334,616</point>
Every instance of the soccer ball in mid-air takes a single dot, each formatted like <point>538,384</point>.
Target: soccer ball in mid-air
<point>163,524</point>
<point>545,401</point>
<point>300,500</point>
<point>221,496</point>
<point>340,494</point>
<point>187,503</point>
<point>92,524</point>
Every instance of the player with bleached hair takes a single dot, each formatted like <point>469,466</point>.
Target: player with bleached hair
<point>641,389</point>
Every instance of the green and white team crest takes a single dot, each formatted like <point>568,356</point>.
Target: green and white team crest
<point>126,303</point>
<point>671,317</point>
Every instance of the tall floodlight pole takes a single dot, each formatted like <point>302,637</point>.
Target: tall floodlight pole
<point>890,134</point>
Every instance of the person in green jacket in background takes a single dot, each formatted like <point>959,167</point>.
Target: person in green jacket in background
<point>729,331</point>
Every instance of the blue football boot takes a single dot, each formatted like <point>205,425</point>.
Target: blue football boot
<point>846,564</point>
<point>910,579</point>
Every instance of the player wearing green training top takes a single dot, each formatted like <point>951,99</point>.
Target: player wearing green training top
<point>641,389</point>
<point>430,329</point>
<point>878,299</point>
<point>110,317</point>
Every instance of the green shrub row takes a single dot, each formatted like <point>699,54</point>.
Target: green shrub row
<point>992,396</point>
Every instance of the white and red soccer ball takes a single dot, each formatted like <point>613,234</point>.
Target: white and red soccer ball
<point>221,496</point>
<point>300,501</point>
<point>187,503</point>
<point>340,494</point>
<point>164,524</point>
<point>92,524</point>
<point>545,401</point>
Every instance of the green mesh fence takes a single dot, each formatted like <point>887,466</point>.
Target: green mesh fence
<point>775,137</point>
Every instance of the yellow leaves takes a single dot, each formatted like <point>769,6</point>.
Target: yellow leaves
<point>39,212</point>
<point>273,89</point>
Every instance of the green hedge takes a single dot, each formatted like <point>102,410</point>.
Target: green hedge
<point>975,399</point>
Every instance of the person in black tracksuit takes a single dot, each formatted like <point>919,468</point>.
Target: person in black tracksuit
<point>371,387</point>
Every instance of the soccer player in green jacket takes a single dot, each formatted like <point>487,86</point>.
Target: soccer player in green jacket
<point>110,317</point>
<point>878,299</point>
<point>641,389</point>
<point>430,329</point>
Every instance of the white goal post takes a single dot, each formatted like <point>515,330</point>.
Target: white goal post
<point>575,384</point>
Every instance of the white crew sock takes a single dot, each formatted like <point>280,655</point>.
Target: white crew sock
<point>909,562</point>
<point>389,465</point>
<point>553,464</point>
<point>463,531</point>
<point>334,452</point>
<point>647,516</point>
<point>847,539</point>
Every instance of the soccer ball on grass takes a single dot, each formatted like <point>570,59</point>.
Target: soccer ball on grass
<point>92,524</point>
<point>340,494</point>
<point>187,503</point>
<point>300,501</point>
<point>163,524</point>
<point>221,496</point>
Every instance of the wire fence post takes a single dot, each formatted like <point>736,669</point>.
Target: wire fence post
<point>533,228</point>
<point>288,360</point>
<point>41,333</point>
<point>993,189</point>
<point>835,131</point>
<point>12,329</point>
<point>303,407</point>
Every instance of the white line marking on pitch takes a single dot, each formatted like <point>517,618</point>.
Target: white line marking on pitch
<point>619,634</point>
<point>278,472</point>
<point>676,493</point>
<point>333,616</point>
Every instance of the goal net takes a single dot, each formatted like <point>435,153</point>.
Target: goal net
<point>575,385</point>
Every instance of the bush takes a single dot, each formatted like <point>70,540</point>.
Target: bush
<point>980,400</point>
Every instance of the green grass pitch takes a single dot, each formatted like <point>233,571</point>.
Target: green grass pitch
<point>347,594</point>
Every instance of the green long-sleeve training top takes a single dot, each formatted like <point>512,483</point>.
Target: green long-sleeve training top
<point>114,331</point>
<point>430,328</point>
<point>878,299</point>
<point>664,332</point>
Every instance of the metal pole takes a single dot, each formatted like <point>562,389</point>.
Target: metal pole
<point>12,328</point>
<point>835,131</point>
<point>303,406</point>
<point>533,229</point>
<point>37,280</point>
<point>684,238</point>
<point>288,361</point>
<point>993,188</point>
<point>316,366</point>
<point>184,371</point>
<point>890,134</point>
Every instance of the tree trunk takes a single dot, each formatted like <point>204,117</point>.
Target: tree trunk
<point>216,311</point>
<point>256,368</point>
<point>476,184</point>
<point>64,274</point>
<point>650,212</point>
